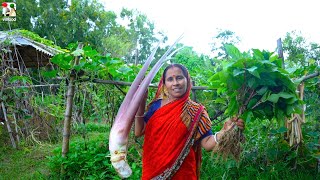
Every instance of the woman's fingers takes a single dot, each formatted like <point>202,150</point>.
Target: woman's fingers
<point>230,123</point>
<point>240,123</point>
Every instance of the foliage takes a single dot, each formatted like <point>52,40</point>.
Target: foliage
<point>33,36</point>
<point>84,160</point>
<point>87,21</point>
<point>224,37</point>
<point>88,159</point>
<point>255,86</point>
<point>142,35</point>
<point>266,156</point>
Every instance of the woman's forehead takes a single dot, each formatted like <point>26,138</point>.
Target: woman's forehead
<point>174,71</point>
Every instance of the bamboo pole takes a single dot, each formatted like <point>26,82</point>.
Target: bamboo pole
<point>100,81</point>
<point>68,113</point>
<point>16,127</point>
<point>8,126</point>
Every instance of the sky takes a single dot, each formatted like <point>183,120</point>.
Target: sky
<point>258,23</point>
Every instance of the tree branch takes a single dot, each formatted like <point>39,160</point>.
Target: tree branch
<point>310,76</point>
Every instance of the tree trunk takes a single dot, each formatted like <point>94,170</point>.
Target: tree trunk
<point>68,113</point>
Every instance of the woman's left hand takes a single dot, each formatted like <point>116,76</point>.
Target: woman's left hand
<point>232,122</point>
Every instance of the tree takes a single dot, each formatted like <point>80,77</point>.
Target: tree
<point>219,41</point>
<point>142,35</point>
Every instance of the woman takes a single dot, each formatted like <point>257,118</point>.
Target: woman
<point>175,129</point>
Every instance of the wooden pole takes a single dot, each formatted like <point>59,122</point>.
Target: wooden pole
<point>280,51</point>
<point>16,127</point>
<point>194,97</point>
<point>8,126</point>
<point>68,113</point>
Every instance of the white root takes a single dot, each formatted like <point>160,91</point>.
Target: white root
<point>119,162</point>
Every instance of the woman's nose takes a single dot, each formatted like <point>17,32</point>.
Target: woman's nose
<point>175,82</point>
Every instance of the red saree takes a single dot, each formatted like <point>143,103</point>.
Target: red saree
<point>166,135</point>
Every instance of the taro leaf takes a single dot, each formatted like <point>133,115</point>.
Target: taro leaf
<point>257,54</point>
<point>232,51</point>
<point>262,90</point>
<point>104,60</point>
<point>253,71</point>
<point>124,69</point>
<point>88,51</point>
<point>247,115</point>
<point>62,60</point>
<point>232,106</point>
<point>252,83</point>
<point>251,103</point>
<point>273,98</point>
<point>266,96</point>
<point>277,61</point>
<point>237,72</point>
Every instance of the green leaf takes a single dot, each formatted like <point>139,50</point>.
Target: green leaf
<point>262,90</point>
<point>266,96</point>
<point>50,74</point>
<point>124,69</point>
<point>257,54</point>
<point>251,103</point>
<point>253,71</point>
<point>78,52</point>
<point>232,51</point>
<point>274,98</point>
<point>220,100</point>
<point>252,82</point>
<point>237,72</point>
<point>285,95</point>
<point>282,130</point>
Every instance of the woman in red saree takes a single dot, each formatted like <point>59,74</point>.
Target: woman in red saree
<point>175,129</point>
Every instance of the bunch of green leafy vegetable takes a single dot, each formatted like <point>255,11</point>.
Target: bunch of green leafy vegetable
<point>255,86</point>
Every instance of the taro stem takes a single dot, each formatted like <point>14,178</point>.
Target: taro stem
<point>119,133</point>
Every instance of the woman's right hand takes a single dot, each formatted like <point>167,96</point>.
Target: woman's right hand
<point>231,123</point>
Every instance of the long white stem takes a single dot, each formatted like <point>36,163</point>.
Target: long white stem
<point>120,130</point>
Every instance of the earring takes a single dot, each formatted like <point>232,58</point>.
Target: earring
<point>165,92</point>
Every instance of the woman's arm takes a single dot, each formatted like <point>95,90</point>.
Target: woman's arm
<point>209,142</point>
<point>139,123</point>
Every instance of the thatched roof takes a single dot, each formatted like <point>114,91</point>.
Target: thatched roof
<point>25,50</point>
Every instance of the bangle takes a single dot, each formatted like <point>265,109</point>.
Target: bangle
<point>215,137</point>
<point>139,116</point>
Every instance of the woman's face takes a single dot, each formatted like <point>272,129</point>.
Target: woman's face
<point>175,82</point>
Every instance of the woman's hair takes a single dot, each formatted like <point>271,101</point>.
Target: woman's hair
<point>183,69</point>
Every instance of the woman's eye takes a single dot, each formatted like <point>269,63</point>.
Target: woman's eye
<point>170,79</point>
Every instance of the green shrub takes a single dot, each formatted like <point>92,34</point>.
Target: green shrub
<point>86,160</point>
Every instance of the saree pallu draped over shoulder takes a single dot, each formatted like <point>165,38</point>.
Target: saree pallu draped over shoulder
<point>168,151</point>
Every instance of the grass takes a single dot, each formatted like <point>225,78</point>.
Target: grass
<point>30,162</point>
<point>25,163</point>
